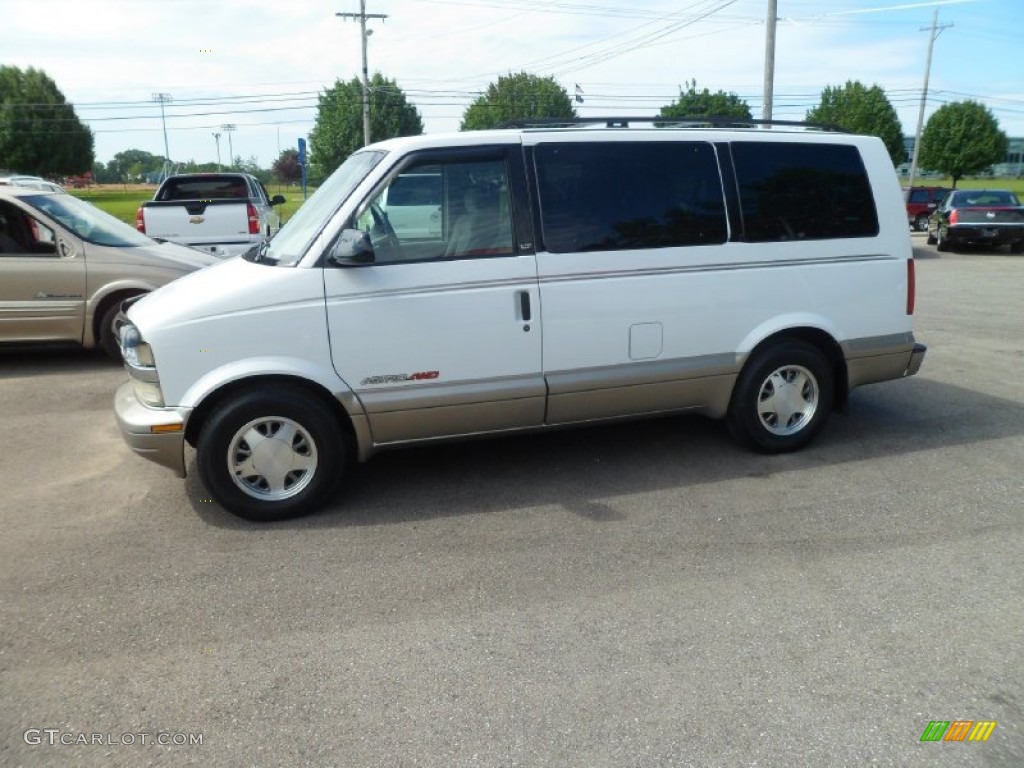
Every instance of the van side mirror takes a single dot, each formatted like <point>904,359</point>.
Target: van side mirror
<point>352,247</point>
<point>277,200</point>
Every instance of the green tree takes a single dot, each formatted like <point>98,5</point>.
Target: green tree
<point>517,97</point>
<point>286,168</point>
<point>129,164</point>
<point>339,121</point>
<point>253,168</point>
<point>858,109</point>
<point>692,102</point>
<point>39,131</point>
<point>101,175</point>
<point>961,139</point>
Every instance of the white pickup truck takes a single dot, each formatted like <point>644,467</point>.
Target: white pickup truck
<point>221,213</point>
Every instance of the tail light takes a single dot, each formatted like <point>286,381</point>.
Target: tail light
<point>140,221</point>
<point>254,220</point>
<point>911,286</point>
<point>954,217</point>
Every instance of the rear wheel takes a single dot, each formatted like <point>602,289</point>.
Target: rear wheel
<point>941,243</point>
<point>782,398</point>
<point>1017,247</point>
<point>271,455</point>
<point>921,222</point>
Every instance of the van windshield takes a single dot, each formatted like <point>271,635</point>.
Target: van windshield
<point>87,221</point>
<point>291,243</point>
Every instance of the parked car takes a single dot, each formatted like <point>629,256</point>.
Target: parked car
<point>30,182</point>
<point>65,267</point>
<point>986,217</point>
<point>576,275</point>
<point>222,213</point>
<point>921,202</point>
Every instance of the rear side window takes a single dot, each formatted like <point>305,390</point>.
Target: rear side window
<point>618,196</point>
<point>803,191</point>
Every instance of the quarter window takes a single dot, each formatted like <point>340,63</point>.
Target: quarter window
<point>803,191</point>
<point>610,196</point>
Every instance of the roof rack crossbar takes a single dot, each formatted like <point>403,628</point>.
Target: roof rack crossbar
<point>685,121</point>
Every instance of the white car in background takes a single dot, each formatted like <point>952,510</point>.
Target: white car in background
<point>30,182</point>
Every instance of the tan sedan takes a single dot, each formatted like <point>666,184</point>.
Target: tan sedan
<point>66,266</point>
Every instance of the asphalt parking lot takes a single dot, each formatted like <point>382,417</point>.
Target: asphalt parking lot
<point>635,595</point>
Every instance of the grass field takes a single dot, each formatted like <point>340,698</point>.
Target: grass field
<point>122,201</point>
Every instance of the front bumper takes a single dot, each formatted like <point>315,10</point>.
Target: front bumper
<point>137,423</point>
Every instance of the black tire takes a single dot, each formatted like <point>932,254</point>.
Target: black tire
<point>752,420</point>
<point>108,340</point>
<point>1017,247</point>
<point>930,239</point>
<point>941,243</point>
<point>264,415</point>
<point>921,222</point>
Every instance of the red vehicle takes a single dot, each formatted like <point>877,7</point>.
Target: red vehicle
<point>921,202</point>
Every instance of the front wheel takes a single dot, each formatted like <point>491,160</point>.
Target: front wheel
<point>921,223</point>
<point>782,398</point>
<point>273,455</point>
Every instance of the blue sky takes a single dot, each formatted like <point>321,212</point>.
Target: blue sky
<point>259,65</point>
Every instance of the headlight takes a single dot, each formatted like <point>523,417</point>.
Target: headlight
<point>134,350</point>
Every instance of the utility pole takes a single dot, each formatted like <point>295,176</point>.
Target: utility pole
<point>164,98</point>
<point>933,33</point>
<point>363,16</point>
<point>229,128</point>
<point>769,59</point>
<point>216,137</point>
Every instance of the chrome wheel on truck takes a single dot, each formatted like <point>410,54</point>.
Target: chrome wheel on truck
<point>271,455</point>
<point>782,397</point>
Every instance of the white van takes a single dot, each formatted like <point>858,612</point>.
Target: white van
<point>575,274</point>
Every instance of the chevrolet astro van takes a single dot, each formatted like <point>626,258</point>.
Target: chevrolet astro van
<point>541,277</point>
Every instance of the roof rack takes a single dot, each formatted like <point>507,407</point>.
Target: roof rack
<point>686,121</point>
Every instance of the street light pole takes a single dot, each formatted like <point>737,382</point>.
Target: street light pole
<point>363,16</point>
<point>216,137</point>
